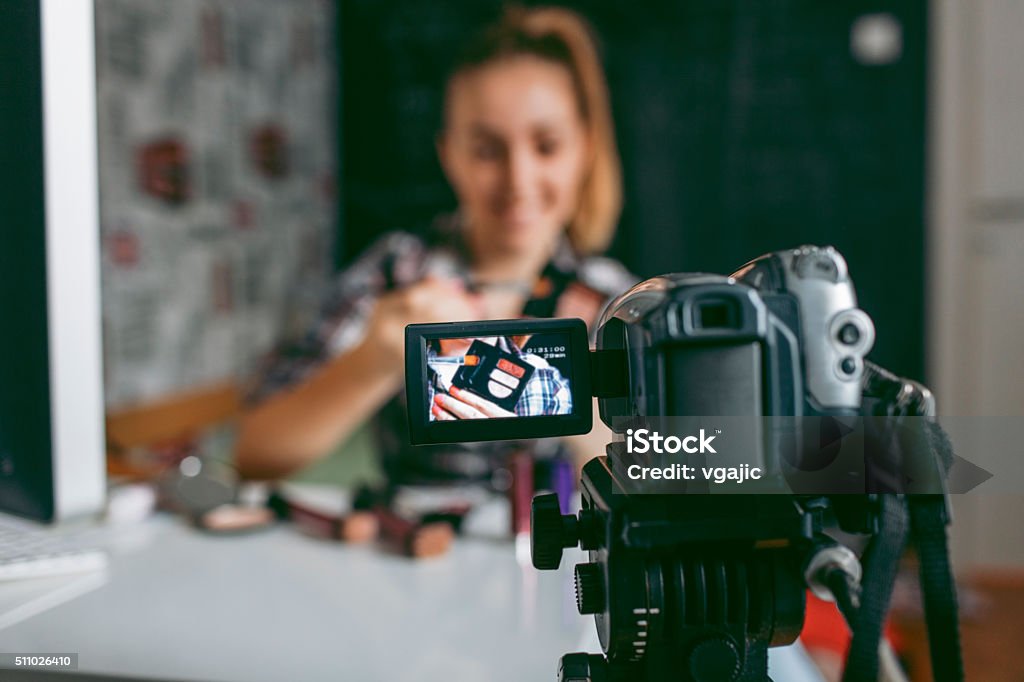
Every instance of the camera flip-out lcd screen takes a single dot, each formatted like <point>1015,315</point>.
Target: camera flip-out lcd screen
<point>497,380</point>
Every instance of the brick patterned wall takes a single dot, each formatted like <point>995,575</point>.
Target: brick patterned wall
<point>217,176</point>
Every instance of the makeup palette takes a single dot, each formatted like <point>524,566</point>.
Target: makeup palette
<point>493,374</point>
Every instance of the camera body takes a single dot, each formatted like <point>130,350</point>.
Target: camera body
<point>699,586</point>
<point>783,337</point>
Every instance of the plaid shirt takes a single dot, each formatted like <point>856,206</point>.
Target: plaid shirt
<point>546,393</point>
<point>399,259</point>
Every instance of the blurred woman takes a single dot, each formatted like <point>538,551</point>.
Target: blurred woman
<point>528,147</point>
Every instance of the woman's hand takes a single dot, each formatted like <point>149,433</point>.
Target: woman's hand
<point>465,405</point>
<point>432,300</point>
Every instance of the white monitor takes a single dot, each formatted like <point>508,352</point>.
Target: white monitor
<point>52,461</point>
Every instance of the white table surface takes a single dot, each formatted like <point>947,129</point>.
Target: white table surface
<point>182,605</point>
<point>179,604</point>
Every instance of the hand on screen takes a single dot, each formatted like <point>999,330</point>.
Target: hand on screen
<point>465,405</point>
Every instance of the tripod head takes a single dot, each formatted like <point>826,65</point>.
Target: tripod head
<point>672,598</point>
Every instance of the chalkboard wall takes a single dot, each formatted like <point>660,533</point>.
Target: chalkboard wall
<point>744,127</point>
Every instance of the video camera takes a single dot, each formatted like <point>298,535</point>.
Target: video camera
<point>683,583</point>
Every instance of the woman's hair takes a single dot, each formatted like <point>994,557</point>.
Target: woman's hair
<point>563,37</point>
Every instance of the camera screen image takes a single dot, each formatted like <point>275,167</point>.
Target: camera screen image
<point>497,380</point>
<point>526,375</point>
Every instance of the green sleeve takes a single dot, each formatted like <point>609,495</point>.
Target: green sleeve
<point>356,461</point>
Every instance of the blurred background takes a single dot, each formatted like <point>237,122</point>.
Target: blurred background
<point>250,149</point>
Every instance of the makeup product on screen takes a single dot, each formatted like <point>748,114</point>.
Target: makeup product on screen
<point>491,364</point>
<point>493,374</point>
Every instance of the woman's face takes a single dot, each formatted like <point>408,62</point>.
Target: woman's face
<point>514,149</point>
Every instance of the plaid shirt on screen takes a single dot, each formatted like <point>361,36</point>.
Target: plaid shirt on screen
<point>547,392</point>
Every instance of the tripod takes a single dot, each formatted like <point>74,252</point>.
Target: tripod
<point>719,616</point>
<point>693,588</point>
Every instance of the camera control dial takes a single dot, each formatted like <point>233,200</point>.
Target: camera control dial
<point>589,588</point>
<point>551,532</point>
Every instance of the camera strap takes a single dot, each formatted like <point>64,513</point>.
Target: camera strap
<point>881,562</point>
<point>928,521</point>
<point>921,519</point>
<point>929,518</point>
